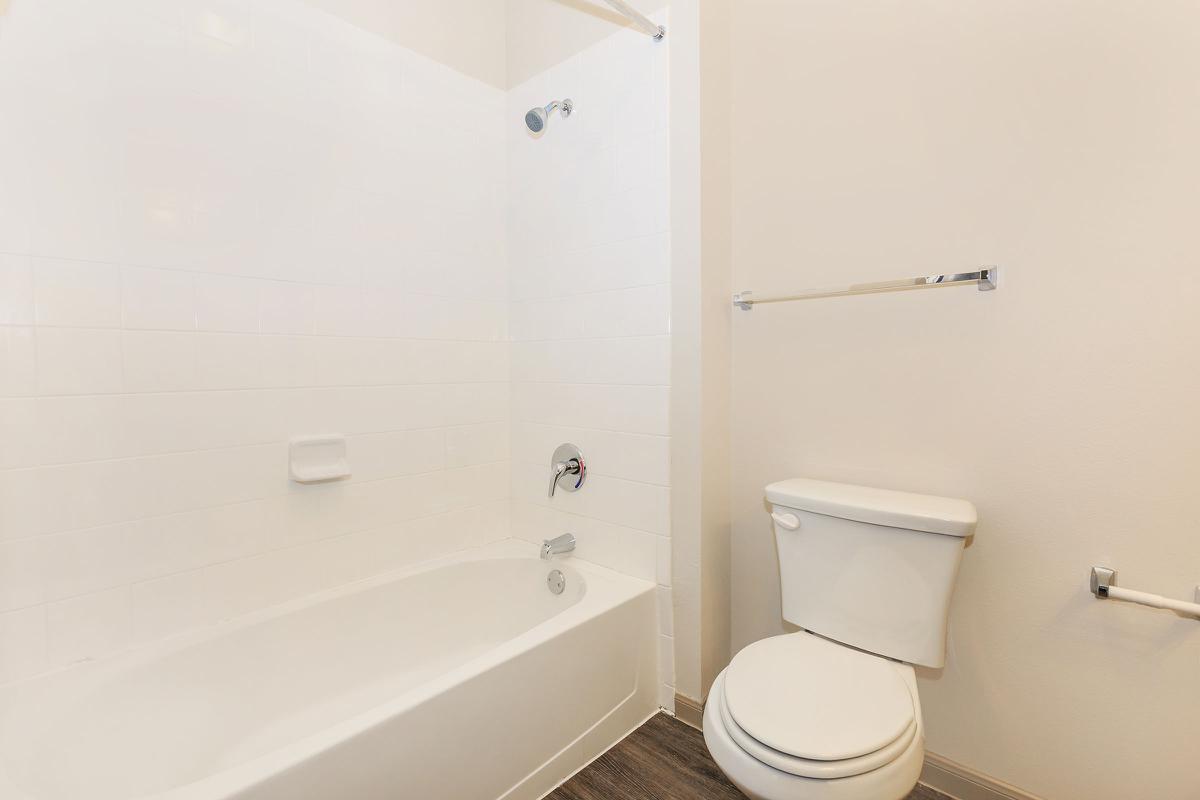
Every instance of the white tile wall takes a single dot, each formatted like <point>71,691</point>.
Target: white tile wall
<point>223,224</point>
<point>589,260</point>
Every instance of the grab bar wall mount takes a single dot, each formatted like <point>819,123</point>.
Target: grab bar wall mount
<point>1103,582</point>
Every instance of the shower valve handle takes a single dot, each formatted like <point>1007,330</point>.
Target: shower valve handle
<point>560,469</point>
<point>567,460</point>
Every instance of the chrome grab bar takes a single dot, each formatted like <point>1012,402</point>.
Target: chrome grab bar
<point>1104,586</point>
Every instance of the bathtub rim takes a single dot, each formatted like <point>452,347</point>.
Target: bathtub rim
<point>605,590</point>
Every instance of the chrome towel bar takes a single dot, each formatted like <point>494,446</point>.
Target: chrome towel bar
<point>1104,586</point>
<point>985,278</point>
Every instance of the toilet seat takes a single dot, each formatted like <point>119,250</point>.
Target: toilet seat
<point>806,768</point>
<point>813,708</point>
<point>760,781</point>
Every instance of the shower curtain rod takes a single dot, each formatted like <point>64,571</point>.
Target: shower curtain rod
<point>638,18</point>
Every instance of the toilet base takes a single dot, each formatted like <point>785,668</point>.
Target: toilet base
<point>761,782</point>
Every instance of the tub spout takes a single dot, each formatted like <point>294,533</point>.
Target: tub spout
<point>560,544</point>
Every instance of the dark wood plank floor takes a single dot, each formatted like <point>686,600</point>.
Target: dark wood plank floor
<point>662,760</point>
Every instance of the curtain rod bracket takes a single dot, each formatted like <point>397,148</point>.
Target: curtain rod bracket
<point>639,19</point>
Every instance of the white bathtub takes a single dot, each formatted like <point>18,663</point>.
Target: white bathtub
<point>464,679</point>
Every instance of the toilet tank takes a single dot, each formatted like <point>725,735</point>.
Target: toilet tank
<point>871,568</point>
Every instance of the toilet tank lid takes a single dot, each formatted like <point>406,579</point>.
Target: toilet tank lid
<point>918,512</point>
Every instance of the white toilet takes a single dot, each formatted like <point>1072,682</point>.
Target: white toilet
<point>832,712</point>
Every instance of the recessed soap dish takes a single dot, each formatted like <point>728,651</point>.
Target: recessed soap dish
<point>317,459</point>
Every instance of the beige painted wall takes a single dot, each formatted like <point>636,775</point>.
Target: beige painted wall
<point>877,140</point>
<point>716,130</point>
<point>700,339</point>
<point>467,35</point>
<point>687,440</point>
<point>542,33</point>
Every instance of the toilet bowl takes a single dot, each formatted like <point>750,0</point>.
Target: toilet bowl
<point>832,712</point>
<point>797,717</point>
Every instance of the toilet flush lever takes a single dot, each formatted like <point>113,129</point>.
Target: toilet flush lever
<point>567,463</point>
<point>789,522</point>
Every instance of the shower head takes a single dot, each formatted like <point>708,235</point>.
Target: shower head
<point>537,118</point>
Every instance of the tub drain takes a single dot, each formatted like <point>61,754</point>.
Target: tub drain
<point>556,581</point>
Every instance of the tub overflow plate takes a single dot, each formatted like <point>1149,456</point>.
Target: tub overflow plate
<point>556,581</point>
